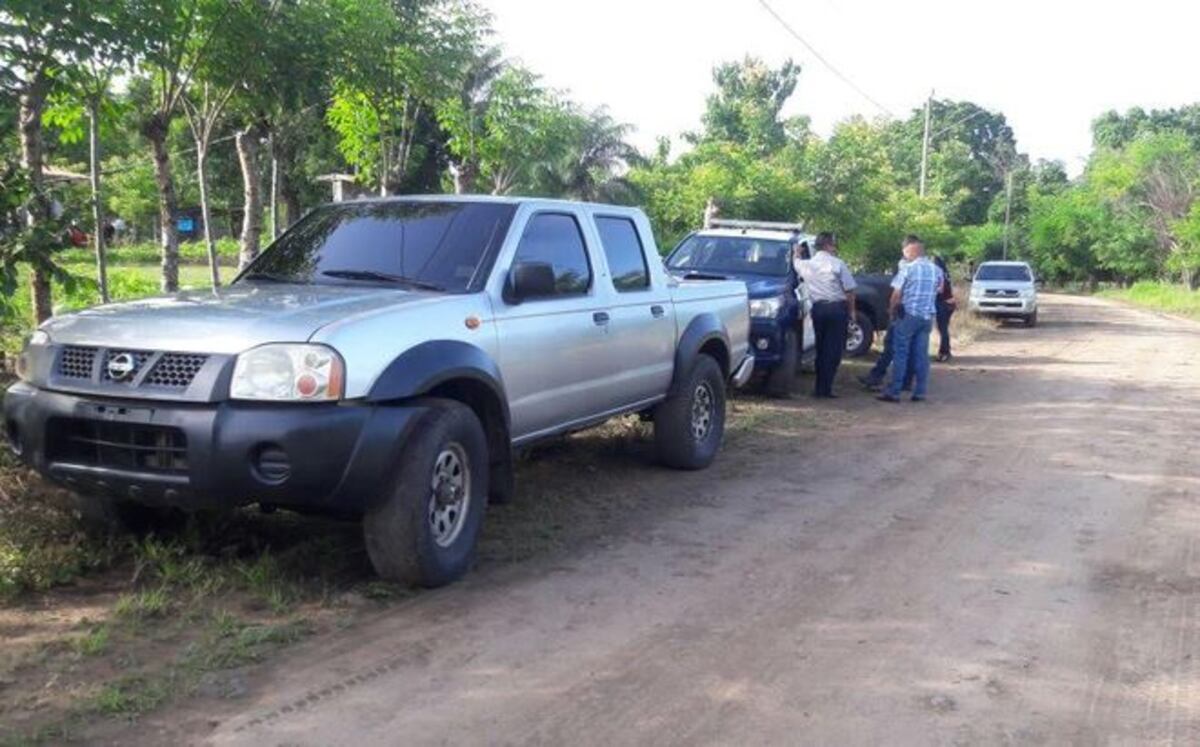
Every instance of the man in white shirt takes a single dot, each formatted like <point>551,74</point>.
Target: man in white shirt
<point>830,287</point>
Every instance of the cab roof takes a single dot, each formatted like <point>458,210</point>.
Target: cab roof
<point>495,199</point>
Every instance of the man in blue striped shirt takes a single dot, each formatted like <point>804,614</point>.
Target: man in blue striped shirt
<point>915,287</point>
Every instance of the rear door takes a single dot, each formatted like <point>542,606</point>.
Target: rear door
<point>642,333</point>
<point>552,349</point>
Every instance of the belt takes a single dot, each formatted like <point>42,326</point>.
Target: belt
<point>818,303</point>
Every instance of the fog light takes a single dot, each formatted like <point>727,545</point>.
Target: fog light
<point>762,343</point>
<point>272,465</point>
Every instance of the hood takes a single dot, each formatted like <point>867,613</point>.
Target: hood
<point>758,286</point>
<point>228,320</point>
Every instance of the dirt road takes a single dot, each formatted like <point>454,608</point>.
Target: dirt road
<point>1014,561</point>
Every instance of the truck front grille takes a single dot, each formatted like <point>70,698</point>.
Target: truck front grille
<point>150,368</point>
<point>75,362</point>
<point>176,370</point>
<point>134,447</point>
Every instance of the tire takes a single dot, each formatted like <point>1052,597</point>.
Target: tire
<point>860,336</point>
<point>1031,320</point>
<point>413,534</point>
<point>782,378</point>
<point>685,442</point>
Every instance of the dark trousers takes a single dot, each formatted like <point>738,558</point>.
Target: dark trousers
<point>944,311</point>
<point>830,319</point>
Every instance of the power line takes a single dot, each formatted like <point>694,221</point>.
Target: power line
<point>828,65</point>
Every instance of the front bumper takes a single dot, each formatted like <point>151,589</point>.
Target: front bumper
<point>743,372</point>
<point>766,342</point>
<point>1004,306</point>
<point>208,455</point>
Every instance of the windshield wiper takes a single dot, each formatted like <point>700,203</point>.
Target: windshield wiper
<point>694,275</point>
<point>384,277</point>
<point>270,277</point>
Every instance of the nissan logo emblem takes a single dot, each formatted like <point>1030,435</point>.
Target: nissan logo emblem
<point>121,366</point>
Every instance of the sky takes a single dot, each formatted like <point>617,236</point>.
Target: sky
<point>1050,66</point>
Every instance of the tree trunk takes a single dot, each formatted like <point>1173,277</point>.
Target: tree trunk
<point>291,201</point>
<point>466,176</point>
<point>214,265</point>
<point>155,130</point>
<point>247,148</point>
<point>32,101</point>
<point>274,197</point>
<point>97,210</point>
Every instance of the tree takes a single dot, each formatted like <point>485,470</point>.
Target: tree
<point>174,37</point>
<point>595,161</point>
<point>524,128</point>
<point>971,151</point>
<point>746,106</point>
<point>399,59</point>
<point>1153,180</point>
<point>37,39</point>
<point>464,117</point>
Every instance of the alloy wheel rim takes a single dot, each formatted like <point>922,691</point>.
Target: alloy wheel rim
<point>703,408</point>
<point>450,494</point>
<point>854,336</point>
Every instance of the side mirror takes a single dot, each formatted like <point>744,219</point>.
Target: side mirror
<point>529,280</point>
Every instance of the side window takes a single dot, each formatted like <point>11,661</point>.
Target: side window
<point>623,249</point>
<point>555,238</point>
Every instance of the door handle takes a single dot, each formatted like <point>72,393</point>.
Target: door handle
<point>600,317</point>
<point>657,311</point>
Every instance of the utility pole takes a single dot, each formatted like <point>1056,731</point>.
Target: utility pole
<point>1007,208</point>
<point>925,142</point>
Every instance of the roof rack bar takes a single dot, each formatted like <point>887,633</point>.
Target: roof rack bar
<point>755,224</point>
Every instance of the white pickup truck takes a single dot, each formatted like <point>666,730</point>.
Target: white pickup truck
<point>382,359</point>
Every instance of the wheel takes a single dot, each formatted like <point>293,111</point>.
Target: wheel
<point>689,426</point>
<point>423,530</point>
<point>781,379</point>
<point>859,335</point>
<point>1031,320</point>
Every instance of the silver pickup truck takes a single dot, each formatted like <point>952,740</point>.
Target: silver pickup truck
<point>382,359</point>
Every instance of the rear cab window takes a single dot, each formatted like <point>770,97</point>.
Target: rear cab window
<point>624,252</point>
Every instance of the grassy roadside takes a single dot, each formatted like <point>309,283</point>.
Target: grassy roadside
<point>1166,297</point>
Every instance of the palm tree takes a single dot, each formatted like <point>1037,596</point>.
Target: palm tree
<point>595,162</point>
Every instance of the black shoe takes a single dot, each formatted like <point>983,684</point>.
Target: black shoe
<point>887,398</point>
<point>915,398</point>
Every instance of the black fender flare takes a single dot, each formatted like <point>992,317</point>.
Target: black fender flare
<point>420,369</point>
<point>703,329</point>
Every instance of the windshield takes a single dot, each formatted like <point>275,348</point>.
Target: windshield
<point>1014,273</point>
<point>438,245</point>
<point>735,255</point>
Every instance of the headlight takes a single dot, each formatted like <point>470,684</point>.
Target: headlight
<point>38,339</point>
<point>1027,293</point>
<point>303,373</point>
<point>976,290</point>
<point>766,308</point>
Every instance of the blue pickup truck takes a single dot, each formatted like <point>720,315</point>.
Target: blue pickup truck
<point>759,254</point>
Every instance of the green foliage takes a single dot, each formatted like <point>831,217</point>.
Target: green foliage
<point>746,106</point>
